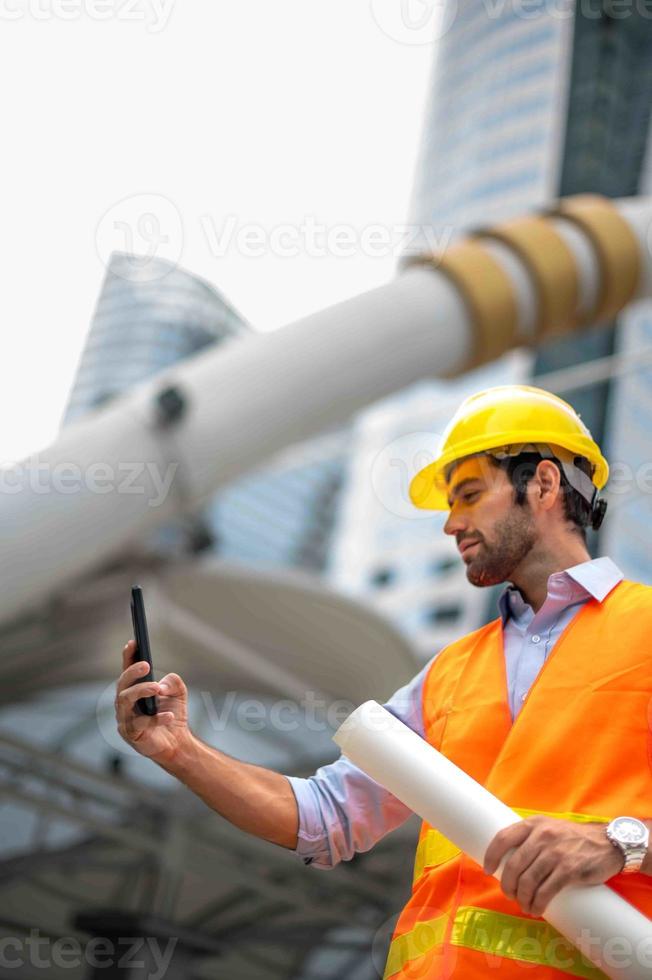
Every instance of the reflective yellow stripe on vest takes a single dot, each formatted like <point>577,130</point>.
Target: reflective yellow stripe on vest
<point>434,848</point>
<point>495,933</point>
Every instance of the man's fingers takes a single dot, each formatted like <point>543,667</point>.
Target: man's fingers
<point>518,864</point>
<point>531,879</point>
<point>547,889</point>
<point>132,674</point>
<point>505,839</point>
<point>127,698</point>
<point>165,718</point>
<point>128,654</point>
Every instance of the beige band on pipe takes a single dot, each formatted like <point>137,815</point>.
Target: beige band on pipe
<point>616,246</point>
<point>552,267</point>
<point>489,294</point>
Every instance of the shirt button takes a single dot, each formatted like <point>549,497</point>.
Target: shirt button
<point>523,697</point>
<point>536,638</point>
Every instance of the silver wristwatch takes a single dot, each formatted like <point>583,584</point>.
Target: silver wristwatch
<point>631,837</point>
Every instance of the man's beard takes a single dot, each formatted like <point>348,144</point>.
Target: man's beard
<point>514,538</point>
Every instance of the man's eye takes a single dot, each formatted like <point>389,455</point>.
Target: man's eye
<point>467,497</point>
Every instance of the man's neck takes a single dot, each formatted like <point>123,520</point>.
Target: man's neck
<point>531,577</point>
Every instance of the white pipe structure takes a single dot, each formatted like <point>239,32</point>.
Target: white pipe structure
<point>120,471</point>
<point>592,918</point>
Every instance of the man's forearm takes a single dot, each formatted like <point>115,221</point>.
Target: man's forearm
<point>258,801</point>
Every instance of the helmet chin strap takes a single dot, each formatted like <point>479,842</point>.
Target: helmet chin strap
<point>578,479</point>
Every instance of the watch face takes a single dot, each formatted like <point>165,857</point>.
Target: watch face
<point>629,831</point>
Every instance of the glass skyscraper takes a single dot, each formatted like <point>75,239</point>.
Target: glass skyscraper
<point>147,318</point>
<point>492,142</point>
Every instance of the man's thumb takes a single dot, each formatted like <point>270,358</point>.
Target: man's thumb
<point>172,685</point>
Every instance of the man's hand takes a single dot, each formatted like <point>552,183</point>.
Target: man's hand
<point>157,736</point>
<point>549,855</point>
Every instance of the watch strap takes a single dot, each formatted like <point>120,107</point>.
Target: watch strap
<point>634,857</point>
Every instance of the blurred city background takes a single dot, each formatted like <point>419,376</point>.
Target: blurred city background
<point>308,572</point>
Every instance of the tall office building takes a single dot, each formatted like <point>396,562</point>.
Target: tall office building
<point>628,531</point>
<point>493,137</point>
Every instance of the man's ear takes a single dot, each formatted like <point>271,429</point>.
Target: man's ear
<point>547,481</point>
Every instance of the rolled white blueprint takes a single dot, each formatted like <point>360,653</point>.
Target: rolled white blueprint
<point>609,931</point>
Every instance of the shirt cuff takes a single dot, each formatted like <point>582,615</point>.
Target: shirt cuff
<point>312,840</point>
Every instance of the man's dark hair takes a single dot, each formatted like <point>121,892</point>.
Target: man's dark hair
<point>520,470</point>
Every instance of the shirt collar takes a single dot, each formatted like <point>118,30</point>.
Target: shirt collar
<point>595,578</point>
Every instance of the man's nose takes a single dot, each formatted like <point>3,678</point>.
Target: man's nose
<point>455,522</point>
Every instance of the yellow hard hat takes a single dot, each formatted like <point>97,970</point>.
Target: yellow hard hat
<point>503,418</point>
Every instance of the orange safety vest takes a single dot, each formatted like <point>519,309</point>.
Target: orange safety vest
<point>580,749</point>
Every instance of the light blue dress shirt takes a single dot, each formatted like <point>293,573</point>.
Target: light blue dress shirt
<point>343,811</point>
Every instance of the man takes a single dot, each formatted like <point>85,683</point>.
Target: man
<point>547,706</point>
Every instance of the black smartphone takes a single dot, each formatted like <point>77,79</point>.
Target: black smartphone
<point>146,705</point>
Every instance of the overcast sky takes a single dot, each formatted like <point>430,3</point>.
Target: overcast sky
<point>270,141</point>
